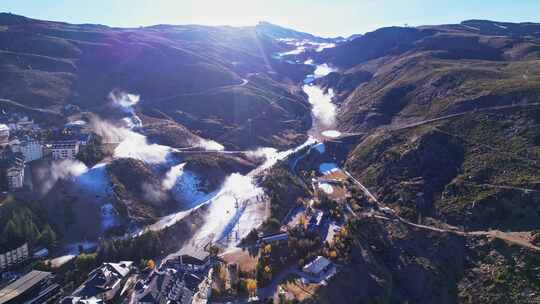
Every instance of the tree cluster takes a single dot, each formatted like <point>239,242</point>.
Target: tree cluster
<point>21,222</point>
<point>92,153</point>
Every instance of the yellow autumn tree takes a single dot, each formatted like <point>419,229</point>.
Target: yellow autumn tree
<point>251,286</point>
<point>302,220</point>
<point>267,249</point>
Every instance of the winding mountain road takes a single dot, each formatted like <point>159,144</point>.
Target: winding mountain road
<point>203,92</point>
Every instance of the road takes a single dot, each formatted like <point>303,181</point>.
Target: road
<point>516,238</point>
<point>203,92</point>
<point>362,187</point>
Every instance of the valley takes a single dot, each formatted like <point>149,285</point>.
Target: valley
<point>399,166</point>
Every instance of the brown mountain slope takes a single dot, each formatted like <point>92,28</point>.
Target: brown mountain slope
<point>450,125</point>
<point>446,120</point>
<point>47,64</point>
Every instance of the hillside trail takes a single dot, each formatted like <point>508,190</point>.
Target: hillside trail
<point>522,239</point>
<point>405,126</point>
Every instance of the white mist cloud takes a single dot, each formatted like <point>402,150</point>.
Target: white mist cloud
<point>323,108</point>
<point>64,169</point>
<point>135,145</point>
<point>131,144</point>
<point>322,70</point>
<point>108,131</point>
<point>264,154</point>
<point>153,193</point>
<point>210,145</point>
<point>124,100</point>
<point>172,176</point>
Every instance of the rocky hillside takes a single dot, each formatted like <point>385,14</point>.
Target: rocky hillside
<point>390,262</point>
<point>445,120</point>
<point>138,190</point>
<point>401,75</point>
<point>447,117</point>
<point>213,169</point>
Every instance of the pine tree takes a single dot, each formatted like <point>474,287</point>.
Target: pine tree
<point>48,237</point>
<point>11,231</point>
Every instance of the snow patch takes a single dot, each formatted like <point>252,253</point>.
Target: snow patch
<point>109,216</point>
<point>320,148</point>
<point>331,133</point>
<point>227,209</point>
<point>324,46</point>
<point>184,186</point>
<point>327,168</point>
<point>94,179</point>
<point>303,45</point>
<point>326,187</point>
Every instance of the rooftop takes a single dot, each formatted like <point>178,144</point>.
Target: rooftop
<point>103,278</point>
<point>65,144</point>
<point>24,283</point>
<point>317,265</point>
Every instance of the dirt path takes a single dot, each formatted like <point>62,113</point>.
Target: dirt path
<point>522,239</point>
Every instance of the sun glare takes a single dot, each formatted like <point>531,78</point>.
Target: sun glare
<point>237,12</point>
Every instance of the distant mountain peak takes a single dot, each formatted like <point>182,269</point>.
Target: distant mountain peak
<point>12,19</point>
<point>280,32</point>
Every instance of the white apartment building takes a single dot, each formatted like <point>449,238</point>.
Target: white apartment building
<point>15,177</point>
<point>4,134</point>
<point>15,171</point>
<point>64,149</point>
<point>13,257</point>
<point>31,149</point>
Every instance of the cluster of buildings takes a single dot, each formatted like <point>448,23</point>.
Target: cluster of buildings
<point>14,257</point>
<point>22,141</point>
<point>182,280</point>
<point>34,287</point>
<point>66,143</point>
<point>103,284</point>
<point>19,255</point>
<point>13,167</point>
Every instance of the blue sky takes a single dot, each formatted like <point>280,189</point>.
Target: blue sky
<point>325,18</point>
